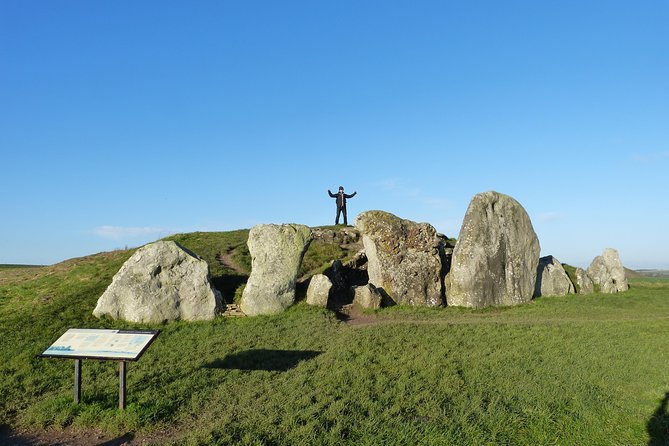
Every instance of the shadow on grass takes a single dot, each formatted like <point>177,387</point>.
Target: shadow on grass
<point>8,438</point>
<point>123,439</point>
<point>658,425</point>
<point>261,359</point>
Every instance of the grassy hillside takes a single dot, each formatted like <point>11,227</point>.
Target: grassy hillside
<point>571,370</point>
<point>8,266</point>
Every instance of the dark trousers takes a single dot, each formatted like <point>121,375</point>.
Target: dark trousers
<point>341,210</point>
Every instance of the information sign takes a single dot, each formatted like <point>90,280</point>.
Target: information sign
<point>81,343</point>
<point>85,343</point>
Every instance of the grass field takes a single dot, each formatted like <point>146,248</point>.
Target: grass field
<point>580,370</point>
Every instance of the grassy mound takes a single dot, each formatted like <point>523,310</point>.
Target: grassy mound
<point>230,261</point>
<point>561,370</point>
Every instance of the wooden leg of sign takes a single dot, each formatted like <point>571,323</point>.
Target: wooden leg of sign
<point>77,381</point>
<point>121,390</point>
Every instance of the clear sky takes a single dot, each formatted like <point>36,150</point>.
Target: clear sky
<point>124,121</point>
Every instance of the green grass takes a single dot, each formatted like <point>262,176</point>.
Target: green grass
<point>565,371</point>
<point>9,266</point>
<point>211,246</point>
<point>571,273</point>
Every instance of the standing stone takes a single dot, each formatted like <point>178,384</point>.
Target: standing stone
<point>403,258</point>
<point>608,272</point>
<point>161,282</point>
<point>552,279</point>
<point>276,255</point>
<point>496,256</point>
<point>319,290</point>
<point>584,282</point>
<point>367,296</point>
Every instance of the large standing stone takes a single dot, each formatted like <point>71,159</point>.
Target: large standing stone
<point>552,279</point>
<point>403,258</point>
<point>276,255</point>
<point>160,282</point>
<point>496,256</point>
<point>584,282</point>
<point>319,290</point>
<point>608,272</point>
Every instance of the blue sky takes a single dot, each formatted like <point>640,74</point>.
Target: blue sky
<point>122,122</point>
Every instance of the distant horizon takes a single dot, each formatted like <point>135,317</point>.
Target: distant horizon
<point>128,247</point>
<point>123,123</point>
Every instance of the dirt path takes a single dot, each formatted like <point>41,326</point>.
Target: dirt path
<point>79,437</point>
<point>226,260</point>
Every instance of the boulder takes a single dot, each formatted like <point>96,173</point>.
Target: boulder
<point>584,282</point>
<point>552,279</point>
<point>319,290</point>
<point>161,282</point>
<point>367,296</point>
<point>276,256</point>
<point>608,272</point>
<point>496,255</point>
<point>403,258</point>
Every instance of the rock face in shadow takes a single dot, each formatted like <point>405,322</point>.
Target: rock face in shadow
<point>276,256</point>
<point>161,282</point>
<point>608,272</point>
<point>496,256</point>
<point>552,279</point>
<point>584,282</point>
<point>404,258</point>
<point>319,290</point>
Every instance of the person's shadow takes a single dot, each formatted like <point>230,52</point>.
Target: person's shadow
<point>658,425</point>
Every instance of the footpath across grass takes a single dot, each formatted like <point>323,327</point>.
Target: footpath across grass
<point>579,370</point>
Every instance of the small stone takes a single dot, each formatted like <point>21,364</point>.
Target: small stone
<point>319,290</point>
<point>367,296</point>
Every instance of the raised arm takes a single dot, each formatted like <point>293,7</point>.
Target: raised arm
<point>352,195</point>
<point>331,194</point>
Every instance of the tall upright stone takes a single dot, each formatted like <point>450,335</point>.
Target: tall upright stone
<point>276,256</point>
<point>161,282</point>
<point>404,258</point>
<point>608,272</point>
<point>552,279</point>
<point>584,282</point>
<point>496,255</point>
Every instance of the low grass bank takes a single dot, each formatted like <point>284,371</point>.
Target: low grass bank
<point>574,370</point>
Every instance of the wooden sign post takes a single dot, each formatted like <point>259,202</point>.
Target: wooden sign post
<point>104,345</point>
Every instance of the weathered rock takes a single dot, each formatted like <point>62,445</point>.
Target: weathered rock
<point>608,272</point>
<point>584,282</point>
<point>342,236</point>
<point>403,258</point>
<point>276,255</point>
<point>496,256</point>
<point>552,279</point>
<point>367,296</point>
<point>161,282</point>
<point>319,290</point>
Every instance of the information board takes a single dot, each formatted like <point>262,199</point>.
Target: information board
<point>82,343</point>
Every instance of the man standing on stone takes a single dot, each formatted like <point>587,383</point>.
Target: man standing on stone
<point>341,203</point>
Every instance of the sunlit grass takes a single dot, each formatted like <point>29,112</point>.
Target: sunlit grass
<point>573,370</point>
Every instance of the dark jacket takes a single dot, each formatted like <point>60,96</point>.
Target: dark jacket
<point>341,198</point>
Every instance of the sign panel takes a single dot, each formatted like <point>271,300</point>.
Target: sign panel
<point>82,343</point>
